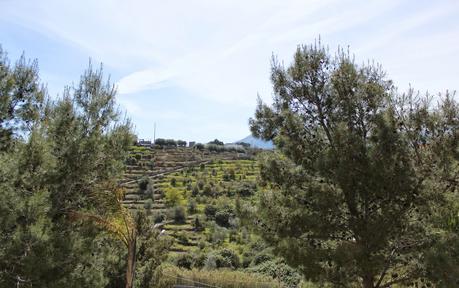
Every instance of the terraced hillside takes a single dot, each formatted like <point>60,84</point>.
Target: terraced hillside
<point>155,164</point>
<point>161,180</point>
<point>199,199</point>
<point>209,193</point>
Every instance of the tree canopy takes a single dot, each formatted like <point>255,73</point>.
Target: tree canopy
<point>356,193</point>
<point>60,158</point>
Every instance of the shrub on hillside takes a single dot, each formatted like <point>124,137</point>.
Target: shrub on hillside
<point>160,142</point>
<point>230,257</point>
<point>148,204</point>
<point>247,259</point>
<point>179,215</point>
<point>199,259</point>
<point>131,161</point>
<point>262,257</point>
<point>215,148</point>
<point>216,142</point>
<point>171,143</point>
<point>195,191</point>
<point>184,261</point>
<point>223,217</point>
<point>198,225</point>
<point>159,217</point>
<point>182,239</point>
<point>173,197</point>
<point>278,270</point>
<point>246,189</point>
<point>218,234</point>
<point>199,146</point>
<point>210,211</point>
<point>200,184</point>
<point>207,191</point>
<point>192,206</point>
<point>143,183</point>
<point>149,192</point>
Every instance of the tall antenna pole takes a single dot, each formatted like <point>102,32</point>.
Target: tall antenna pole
<point>154,132</point>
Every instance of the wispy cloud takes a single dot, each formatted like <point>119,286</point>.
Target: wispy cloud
<point>219,51</point>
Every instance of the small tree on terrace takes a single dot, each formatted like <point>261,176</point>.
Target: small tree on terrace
<point>354,188</point>
<point>181,143</point>
<point>216,142</point>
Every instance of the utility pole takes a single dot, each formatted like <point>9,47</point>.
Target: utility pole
<point>154,133</point>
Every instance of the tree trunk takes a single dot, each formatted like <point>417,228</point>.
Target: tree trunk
<point>368,281</point>
<point>130,271</point>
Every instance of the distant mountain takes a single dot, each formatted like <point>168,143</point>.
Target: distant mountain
<point>257,143</point>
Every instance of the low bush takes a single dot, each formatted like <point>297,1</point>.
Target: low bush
<point>278,270</point>
<point>182,239</point>
<point>184,261</point>
<point>173,197</point>
<point>159,217</point>
<point>230,259</point>
<point>198,224</point>
<point>210,211</point>
<point>192,206</point>
<point>148,204</point>
<point>179,215</point>
<point>143,183</point>
<point>222,218</point>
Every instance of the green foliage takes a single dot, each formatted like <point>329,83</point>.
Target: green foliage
<point>230,259</point>
<point>210,211</point>
<point>192,206</point>
<point>199,146</point>
<point>56,157</point>
<point>143,183</point>
<point>278,270</point>
<point>22,98</point>
<point>246,189</point>
<point>181,143</point>
<point>350,195</point>
<point>160,142</point>
<point>208,191</point>
<point>195,191</point>
<point>198,224</point>
<point>218,234</point>
<point>173,197</point>
<point>223,217</point>
<point>152,251</point>
<point>216,142</point>
<point>179,215</point>
<point>159,217</point>
<point>184,261</point>
<point>200,184</point>
<point>148,204</point>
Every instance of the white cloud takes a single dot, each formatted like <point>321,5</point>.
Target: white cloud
<point>220,50</point>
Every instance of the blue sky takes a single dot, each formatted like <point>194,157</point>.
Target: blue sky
<point>195,67</point>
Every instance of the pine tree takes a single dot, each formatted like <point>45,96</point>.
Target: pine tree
<point>358,174</point>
